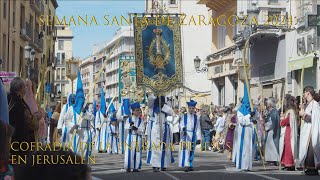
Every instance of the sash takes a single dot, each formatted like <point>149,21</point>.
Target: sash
<point>135,149</point>
<point>150,143</point>
<point>122,131</point>
<point>75,137</point>
<point>111,139</point>
<point>99,133</point>
<point>88,152</point>
<point>193,140</point>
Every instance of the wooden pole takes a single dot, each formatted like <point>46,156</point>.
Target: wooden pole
<point>282,109</point>
<point>160,121</point>
<point>95,138</point>
<point>94,82</point>
<point>283,94</point>
<point>248,89</point>
<point>301,97</point>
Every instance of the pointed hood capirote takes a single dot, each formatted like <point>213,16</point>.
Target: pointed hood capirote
<point>79,95</point>
<point>126,106</point>
<point>103,104</point>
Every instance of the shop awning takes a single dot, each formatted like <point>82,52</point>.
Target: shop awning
<point>300,62</point>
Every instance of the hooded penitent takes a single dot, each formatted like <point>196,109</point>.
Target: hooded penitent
<point>29,98</point>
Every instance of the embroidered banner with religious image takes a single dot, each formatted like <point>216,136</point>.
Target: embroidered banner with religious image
<point>127,78</point>
<point>158,53</point>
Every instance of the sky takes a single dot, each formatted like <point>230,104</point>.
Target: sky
<point>86,36</point>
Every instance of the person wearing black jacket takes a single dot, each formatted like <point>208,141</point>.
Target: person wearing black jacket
<point>206,126</point>
<point>21,118</point>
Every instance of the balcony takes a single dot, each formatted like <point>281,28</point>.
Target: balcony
<point>38,44</point>
<point>35,5</point>
<point>26,32</point>
<point>218,5</point>
<point>221,68</point>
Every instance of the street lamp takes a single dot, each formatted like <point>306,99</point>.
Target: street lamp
<point>72,70</point>
<point>29,55</point>
<point>197,61</point>
<point>197,65</point>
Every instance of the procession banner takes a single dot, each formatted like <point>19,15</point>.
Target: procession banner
<point>127,79</point>
<point>158,52</point>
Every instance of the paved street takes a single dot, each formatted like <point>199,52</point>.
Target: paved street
<point>208,165</point>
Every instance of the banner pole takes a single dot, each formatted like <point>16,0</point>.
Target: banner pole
<point>248,89</point>
<point>92,86</point>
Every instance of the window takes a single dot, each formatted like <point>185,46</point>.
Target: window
<point>273,16</point>
<point>221,36</point>
<point>14,14</point>
<point>13,56</point>
<point>63,89</point>
<point>57,88</point>
<point>58,74</point>
<point>60,44</point>
<point>21,58</point>
<point>4,46</point>
<point>14,19</point>
<point>173,2</point>
<point>273,1</point>
<point>63,73</point>
<point>4,10</point>
<point>36,65</point>
<point>22,17</point>
<point>63,58</point>
<point>58,58</point>
<point>43,58</point>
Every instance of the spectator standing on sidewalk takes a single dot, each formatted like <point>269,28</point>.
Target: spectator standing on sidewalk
<point>206,126</point>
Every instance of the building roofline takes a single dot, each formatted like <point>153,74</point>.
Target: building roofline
<point>86,63</point>
<point>55,3</point>
<point>65,37</point>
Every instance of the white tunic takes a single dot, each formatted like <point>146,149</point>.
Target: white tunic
<point>159,154</point>
<point>174,123</point>
<point>243,149</point>
<point>311,130</point>
<point>188,139</point>
<point>122,118</point>
<point>64,111</point>
<point>61,122</point>
<point>235,143</point>
<point>85,134</point>
<point>133,145</point>
<point>101,135</point>
<point>71,139</point>
<point>112,139</point>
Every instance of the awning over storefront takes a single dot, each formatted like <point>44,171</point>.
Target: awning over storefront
<point>300,62</point>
